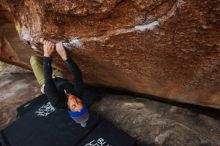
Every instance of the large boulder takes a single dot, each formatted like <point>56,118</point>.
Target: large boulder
<point>168,48</point>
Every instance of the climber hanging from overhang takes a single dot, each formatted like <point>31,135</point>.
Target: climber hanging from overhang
<point>60,92</point>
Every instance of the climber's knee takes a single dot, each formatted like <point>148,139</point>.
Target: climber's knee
<point>34,60</point>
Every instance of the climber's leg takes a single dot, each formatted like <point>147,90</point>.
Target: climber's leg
<point>57,73</point>
<point>37,67</point>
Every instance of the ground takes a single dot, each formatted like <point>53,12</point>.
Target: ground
<point>17,86</point>
<point>149,121</point>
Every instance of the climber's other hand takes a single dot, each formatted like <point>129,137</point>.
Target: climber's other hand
<point>61,50</point>
<point>48,48</point>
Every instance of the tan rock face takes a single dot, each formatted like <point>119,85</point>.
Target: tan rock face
<point>168,48</point>
<point>12,49</point>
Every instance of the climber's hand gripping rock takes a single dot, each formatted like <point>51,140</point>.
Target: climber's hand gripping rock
<point>61,50</point>
<point>49,48</point>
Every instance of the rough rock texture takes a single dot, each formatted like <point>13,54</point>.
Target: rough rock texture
<point>168,48</point>
<point>159,124</point>
<point>12,49</point>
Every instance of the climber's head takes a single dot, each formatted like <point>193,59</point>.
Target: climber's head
<point>74,103</point>
<point>77,111</point>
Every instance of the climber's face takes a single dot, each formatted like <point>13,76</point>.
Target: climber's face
<point>74,103</point>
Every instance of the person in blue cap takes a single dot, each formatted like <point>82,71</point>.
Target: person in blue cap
<point>60,92</point>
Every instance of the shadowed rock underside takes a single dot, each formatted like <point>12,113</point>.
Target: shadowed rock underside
<point>167,48</point>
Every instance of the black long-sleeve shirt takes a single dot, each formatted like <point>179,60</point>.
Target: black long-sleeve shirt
<point>54,87</point>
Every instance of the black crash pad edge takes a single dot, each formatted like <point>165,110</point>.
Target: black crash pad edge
<point>92,129</point>
<point>30,105</point>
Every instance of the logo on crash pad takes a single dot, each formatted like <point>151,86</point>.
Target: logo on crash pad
<point>45,110</point>
<point>98,142</point>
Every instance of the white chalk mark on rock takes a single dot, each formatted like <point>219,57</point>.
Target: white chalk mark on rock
<point>25,34</point>
<point>76,42</point>
<point>150,26</point>
<point>73,42</point>
<point>67,46</point>
<point>95,39</point>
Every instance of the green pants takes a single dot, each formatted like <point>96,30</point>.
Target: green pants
<point>37,67</point>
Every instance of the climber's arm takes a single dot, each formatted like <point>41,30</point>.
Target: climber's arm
<point>74,69</point>
<point>78,83</point>
<point>50,88</point>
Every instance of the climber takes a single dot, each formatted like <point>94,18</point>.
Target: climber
<point>60,92</point>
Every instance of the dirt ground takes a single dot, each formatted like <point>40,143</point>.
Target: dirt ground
<point>149,121</point>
